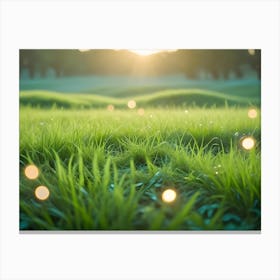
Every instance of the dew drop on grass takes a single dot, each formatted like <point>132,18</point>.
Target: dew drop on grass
<point>140,184</point>
<point>111,187</point>
<point>152,196</point>
<point>83,191</point>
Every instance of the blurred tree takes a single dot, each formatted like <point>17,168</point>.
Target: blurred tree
<point>28,60</point>
<point>217,63</point>
<point>254,60</point>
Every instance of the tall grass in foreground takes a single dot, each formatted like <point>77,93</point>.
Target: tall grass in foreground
<point>108,170</point>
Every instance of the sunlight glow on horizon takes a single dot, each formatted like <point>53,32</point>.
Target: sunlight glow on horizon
<point>147,52</point>
<point>140,52</point>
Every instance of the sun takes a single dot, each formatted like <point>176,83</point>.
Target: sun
<point>147,52</point>
<point>144,52</point>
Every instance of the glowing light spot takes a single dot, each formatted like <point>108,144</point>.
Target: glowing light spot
<point>131,104</point>
<point>216,172</point>
<point>169,195</point>
<point>248,143</point>
<point>145,52</point>
<point>186,111</point>
<point>110,108</point>
<point>42,193</point>
<point>151,116</point>
<point>251,52</point>
<point>141,112</point>
<point>252,113</point>
<point>31,172</point>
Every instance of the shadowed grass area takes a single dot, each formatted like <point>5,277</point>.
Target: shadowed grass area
<point>108,169</point>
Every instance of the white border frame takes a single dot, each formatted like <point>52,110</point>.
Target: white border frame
<point>156,24</point>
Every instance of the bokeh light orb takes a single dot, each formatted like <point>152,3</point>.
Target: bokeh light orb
<point>141,112</point>
<point>169,195</point>
<point>248,143</point>
<point>252,113</point>
<point>31,172</point>
<point>110,108</point>
<point>251,52</point>
<point>42,193</point>
<point>131,104</point>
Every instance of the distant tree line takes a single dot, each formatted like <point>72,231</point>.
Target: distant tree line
<point>214,64</point>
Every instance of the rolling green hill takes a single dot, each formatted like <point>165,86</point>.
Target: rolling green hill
<point>166,98</point>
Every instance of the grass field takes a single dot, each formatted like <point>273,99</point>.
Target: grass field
<point>107,166</point>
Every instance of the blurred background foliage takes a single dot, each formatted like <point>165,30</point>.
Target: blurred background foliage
<point>194,64</point>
